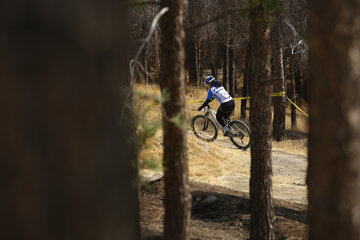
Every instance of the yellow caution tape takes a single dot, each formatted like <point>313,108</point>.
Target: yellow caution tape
<point>276,94</point>
<point>152,104</point>
<point>297,107</point>
<point>197,101</point>
<point>241,98</point>
<point>279,94</point>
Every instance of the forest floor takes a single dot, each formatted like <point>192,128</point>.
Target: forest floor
<point>219,176</point>
<point>220,204</point>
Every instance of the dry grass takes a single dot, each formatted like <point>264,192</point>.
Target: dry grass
<point>206,159</point>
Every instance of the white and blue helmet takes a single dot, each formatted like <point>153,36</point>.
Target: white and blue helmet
<point>209,79</point>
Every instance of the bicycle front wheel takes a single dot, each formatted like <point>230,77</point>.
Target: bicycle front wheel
<point>240,134</point>
<point>204,128</point>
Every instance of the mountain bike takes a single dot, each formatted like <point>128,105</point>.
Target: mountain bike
<point>206,127</point>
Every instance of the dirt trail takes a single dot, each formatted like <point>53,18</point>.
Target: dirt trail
<point>233,169</point>
<point>289,172</point>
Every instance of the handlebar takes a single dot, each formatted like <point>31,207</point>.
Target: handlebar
<point>204,109</point>
<point>207,108</point>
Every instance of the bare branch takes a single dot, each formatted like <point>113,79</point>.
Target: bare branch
<point>299,47</point>
<point>295,33</point>
<point>134,61</point>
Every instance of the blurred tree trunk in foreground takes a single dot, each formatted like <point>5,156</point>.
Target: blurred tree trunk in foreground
<point>177,195</point>
<point>334,138</point>
<point>261,204</point>
<point>67,159</point>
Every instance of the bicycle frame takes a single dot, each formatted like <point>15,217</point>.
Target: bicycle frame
<point>210,112</point>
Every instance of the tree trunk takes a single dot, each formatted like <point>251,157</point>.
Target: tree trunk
<point>231,69</point>
<point>305,87</point>
<point>297,78</point>
<point>146,70</point>
<point>149,63</point>
<point>261,203</point>
<point>278,82</point>
<point>235,85</point>
<point>177,196</point>
<point>334,153</point>
<point>67,158</point>
<point>213,71</point>
<point>292,93</point>
<point>247,73</point>
<point>236,92</point>
<point>192,59</point>
<point>225,64</point>
<point>198,63</point>
<point>156,40</point>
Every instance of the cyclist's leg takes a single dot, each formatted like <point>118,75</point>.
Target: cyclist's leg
<point>228,108</point>
<point>220,116</point>
<point>224,111</point>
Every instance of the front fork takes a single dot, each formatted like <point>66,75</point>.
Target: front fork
<point>206,122</point>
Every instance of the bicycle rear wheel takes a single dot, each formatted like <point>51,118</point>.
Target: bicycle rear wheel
<point>204,128</point>
<point>240,134</point>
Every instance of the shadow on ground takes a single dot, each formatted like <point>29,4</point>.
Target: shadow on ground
<point>216,207</point>
<point>218,213</point>
<point>295,135</point>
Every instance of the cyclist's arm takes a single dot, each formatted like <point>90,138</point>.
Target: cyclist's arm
<point>209,98</point>
<point>207,101</point>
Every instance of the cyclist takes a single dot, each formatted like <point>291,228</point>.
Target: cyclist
<point>227,103</point>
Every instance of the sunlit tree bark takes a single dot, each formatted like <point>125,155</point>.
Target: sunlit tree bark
<point>261,203</point>
<point>177,196</point>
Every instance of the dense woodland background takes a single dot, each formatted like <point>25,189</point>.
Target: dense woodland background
<point>69,145</point>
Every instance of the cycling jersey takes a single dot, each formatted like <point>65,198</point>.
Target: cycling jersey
<point>219,94</point>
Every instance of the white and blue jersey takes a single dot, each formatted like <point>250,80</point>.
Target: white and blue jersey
<point>219,94</point>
